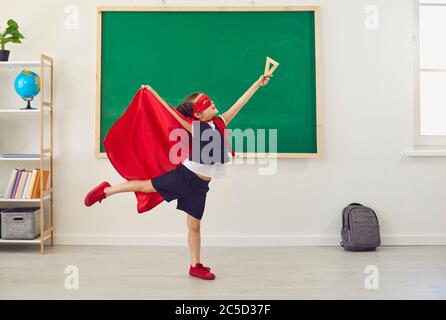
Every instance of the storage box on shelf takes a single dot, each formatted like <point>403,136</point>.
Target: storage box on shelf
<point>45,196</point>
<point>20,223</point>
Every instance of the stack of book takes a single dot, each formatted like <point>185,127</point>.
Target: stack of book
<point>25,184</point>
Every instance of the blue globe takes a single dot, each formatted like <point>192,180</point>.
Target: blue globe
<point>27,84</point>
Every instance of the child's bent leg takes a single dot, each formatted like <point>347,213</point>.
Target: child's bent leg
<point>194,239</point>
<point>130,186</point>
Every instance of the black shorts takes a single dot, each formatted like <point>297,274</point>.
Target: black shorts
<point>186,186</point>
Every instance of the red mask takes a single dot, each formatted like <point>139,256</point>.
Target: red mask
<point>202,104</point>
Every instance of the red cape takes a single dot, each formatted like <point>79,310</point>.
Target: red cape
<point>138,145</point>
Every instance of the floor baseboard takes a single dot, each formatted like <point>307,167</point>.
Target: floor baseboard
<point>242,241</point>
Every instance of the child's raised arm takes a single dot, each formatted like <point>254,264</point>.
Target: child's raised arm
<point>230,114</point>
<point>186,125</point>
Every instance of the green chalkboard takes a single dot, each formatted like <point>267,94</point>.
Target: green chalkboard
<point>220,52</point>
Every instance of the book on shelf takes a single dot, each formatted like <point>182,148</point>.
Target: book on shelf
<point>20,186</point>
<point>16,183</point>
<point>36,185</point>
<point>28,176</point>
<point>25,184</point>
<point>21,155</point>
<point>25,188</point>
<point>29,194</point>
<point>36,192</point>
<point>10,185</point>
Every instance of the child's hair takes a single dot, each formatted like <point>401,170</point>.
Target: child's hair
<point>187,107</point>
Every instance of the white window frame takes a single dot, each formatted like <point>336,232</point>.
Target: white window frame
<point>423,141</point>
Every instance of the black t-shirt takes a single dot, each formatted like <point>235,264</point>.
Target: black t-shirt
<point>208,144</point>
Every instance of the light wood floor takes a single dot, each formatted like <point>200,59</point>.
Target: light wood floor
<point>112,272</point>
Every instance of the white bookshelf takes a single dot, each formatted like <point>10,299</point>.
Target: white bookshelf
<point>33,241</point>
<point>18,111</point>
<point>45,64</point>
<point>25,64</point>
<point>37,200</point>
<point>22,159</point>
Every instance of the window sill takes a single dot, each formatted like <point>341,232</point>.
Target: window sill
<point>426,153</point>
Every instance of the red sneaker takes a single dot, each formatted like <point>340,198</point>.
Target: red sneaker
<point>202,272</point>
<point>96,194</point>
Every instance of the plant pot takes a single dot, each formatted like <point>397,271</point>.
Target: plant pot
<point>4,55</point>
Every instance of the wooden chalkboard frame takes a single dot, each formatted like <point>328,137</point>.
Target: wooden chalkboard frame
<point>315,9</point>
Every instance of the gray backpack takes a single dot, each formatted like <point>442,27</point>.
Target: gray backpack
<point>360,228</point>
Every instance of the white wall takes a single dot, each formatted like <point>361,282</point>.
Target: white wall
<point>367,90</point>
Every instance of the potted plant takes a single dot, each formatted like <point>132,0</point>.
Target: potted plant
<point>10,34</point>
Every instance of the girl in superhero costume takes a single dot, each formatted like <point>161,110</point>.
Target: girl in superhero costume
<point>139,146</point>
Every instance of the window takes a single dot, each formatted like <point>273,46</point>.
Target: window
<point>430,117</point>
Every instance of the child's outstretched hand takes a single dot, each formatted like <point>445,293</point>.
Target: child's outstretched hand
<point>263,80</point>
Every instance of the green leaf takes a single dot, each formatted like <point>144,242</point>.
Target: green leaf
<point>12,23</point>
<point>16,34</point>
<point>6,40</point>
<point>11,29</point>
<point>12,39</point>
